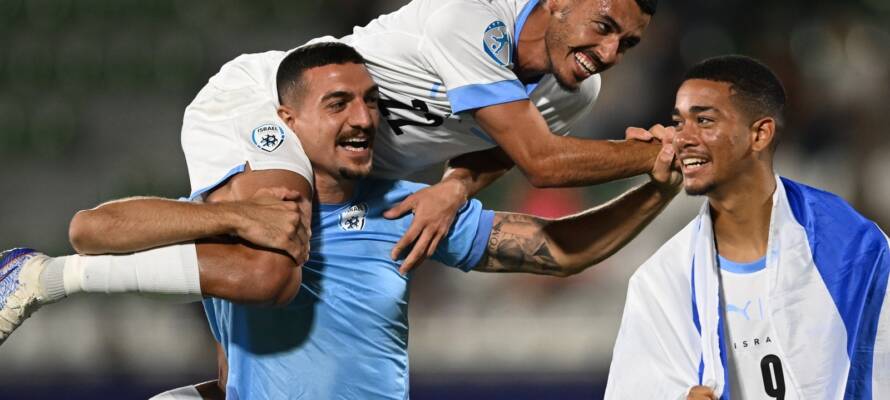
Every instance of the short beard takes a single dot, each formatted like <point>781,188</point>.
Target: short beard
<point>351,174</point>
<point>701,191</point>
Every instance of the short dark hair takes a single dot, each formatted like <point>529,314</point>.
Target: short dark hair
<point>648,6</point>
<point>290,71</point>
<point>755,88</point>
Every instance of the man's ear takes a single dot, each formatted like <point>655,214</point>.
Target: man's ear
<point>763,133</point>
<point>288,116</point>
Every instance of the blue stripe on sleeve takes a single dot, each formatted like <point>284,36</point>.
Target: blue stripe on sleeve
<point>852,257</point>
<point>471,97</point>
<point>480,242</point>
<point>200,192</point>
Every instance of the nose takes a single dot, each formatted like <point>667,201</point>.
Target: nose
<point>685,137</point>
<point>607,51</point>
<point>361,116</point>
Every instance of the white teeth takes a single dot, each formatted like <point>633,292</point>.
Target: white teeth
<point>583,60</point>
<point>693,161</point>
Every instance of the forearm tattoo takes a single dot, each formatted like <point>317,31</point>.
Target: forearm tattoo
<point>517,244</point>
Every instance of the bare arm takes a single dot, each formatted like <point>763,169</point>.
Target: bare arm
<point>475,171</point>
<point>230,268</point>
<point>566,246</point>
<point>139,223</point>
<point>550,160</point>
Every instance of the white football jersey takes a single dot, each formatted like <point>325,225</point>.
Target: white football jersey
<point>433,60</point>
<point>755,364</point>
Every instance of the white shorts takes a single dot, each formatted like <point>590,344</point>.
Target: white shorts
<point>233,122</point>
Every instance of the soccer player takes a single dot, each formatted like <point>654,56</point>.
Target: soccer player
<point>345,333</point>
<point>776,290</point>
<point>486,84</point>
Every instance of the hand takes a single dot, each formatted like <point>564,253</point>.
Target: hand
<point>275,218</point>
<point>634,133</point>
<point>701,393</point>
<point>434,210</point>
<point>664,171</point>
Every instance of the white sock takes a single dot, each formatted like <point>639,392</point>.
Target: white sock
<point>168,273</point>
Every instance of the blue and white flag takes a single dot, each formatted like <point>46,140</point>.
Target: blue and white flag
<point>828,273</point>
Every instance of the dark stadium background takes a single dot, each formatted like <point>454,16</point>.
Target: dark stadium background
<point>91,100</point>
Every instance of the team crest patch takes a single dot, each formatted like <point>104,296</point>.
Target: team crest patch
<point>268,137</point>
<point>353,219</point>
<point>496,41</point>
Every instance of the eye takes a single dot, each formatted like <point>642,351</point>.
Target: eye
<point>627,44</point>
<point>602,27</point>
<point>372,101</point>
<point>337,105</point>
<point>704,121</point>
<point>678,123</point>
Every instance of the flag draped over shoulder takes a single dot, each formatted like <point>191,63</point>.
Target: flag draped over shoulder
<point>828,272</point>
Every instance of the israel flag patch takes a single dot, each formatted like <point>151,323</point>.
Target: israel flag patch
<point>268,137</point>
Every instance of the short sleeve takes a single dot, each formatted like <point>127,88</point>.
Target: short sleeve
<point>471,49</point>
<point>225,128</point>
<point>468,238</point>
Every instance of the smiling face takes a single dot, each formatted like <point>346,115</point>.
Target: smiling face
<point>714,140</point>
<point>586,37</point>
<point>335,115</point>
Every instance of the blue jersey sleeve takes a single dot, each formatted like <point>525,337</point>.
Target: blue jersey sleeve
<point>468,237</point>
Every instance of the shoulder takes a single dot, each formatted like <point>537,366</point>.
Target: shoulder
<point>464,18</point>
<point>818,210</point>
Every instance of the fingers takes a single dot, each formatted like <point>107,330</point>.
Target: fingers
<point>663,133</point>
<point>661,171</point>
<point>634,133</point>
<point>400,209</point>
<point>418,252</point>
<point>410,235</point>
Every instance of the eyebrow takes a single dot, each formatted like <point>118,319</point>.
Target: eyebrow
<point>338,93</point>
<point>694,110</point>
<point>372,90</point>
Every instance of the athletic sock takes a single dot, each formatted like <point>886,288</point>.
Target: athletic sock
<point>168,273</point>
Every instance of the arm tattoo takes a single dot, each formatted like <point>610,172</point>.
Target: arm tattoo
<point>517,244</point>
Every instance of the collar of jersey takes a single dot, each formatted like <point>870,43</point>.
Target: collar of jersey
<point>741,268</point>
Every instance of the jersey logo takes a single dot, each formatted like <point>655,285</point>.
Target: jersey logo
<point>496,42</point>
<point>268,137</point>
<point>353,219</point>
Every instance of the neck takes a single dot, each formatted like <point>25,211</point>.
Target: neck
<point>531,51</point>
<point>741,213</point>
<point>331,190</point>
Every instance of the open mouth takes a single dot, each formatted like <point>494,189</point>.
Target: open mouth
<point>692,164</point>
<point>586,62</point>
<point>355,144</point>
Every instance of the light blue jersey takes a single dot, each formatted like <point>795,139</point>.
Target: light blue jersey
<point>345,336</point>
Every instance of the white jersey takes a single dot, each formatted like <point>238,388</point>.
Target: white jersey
<point>755,365</point>
<point>433,60</point>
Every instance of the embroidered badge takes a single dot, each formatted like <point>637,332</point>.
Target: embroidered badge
<point>268,137</point>
<point>353,219</point>
<point>496,42</point>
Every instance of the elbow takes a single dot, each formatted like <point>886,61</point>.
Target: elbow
<point>274,280</point>
<point>541,175</point>
<point>84,231</point>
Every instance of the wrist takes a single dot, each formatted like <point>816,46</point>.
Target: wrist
<point>227,218</point>
<point>457,186</point>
